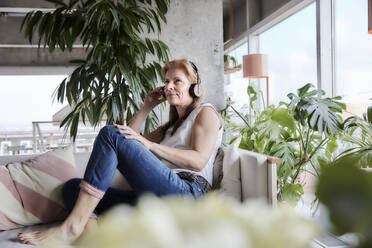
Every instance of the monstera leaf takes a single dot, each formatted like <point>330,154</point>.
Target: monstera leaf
<point>292,192</point>
<point>284,118</point>
<point>319,112</point>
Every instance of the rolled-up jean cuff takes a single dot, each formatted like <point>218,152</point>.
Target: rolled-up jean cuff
<point>91,190</point>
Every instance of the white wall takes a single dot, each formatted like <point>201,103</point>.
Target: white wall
<point>194,29</point>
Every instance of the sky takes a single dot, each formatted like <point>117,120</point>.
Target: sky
<point>353,50</point>
<point>291,46</point>
<point>24,99</point>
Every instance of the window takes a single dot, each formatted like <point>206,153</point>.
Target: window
<point>353,55</point>
<point>236,85</point>
<point>27,99</point>
<point>24,99</point>
<point>291,46</point>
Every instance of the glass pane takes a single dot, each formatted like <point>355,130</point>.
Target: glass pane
<point>236,85</point>
<point>28,99</point>
<point>24,99</point>
<point>353,54</point>
<point>291,46</point>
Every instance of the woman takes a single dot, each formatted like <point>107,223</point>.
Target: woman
<point>176,158</point>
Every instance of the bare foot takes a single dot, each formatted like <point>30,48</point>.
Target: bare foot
<point>60,234</point>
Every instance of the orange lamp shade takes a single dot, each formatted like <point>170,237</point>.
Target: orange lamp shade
<point>256,66</point>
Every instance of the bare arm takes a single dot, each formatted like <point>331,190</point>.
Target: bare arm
<point>204,136</point>
<point>138,120</point>
<point>151,100</point>
<point>155,136</point>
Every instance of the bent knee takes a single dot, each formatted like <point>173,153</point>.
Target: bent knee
<point>107,130</point>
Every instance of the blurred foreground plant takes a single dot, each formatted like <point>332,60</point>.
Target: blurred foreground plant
<point>213,221</point>
<point>346,190</point>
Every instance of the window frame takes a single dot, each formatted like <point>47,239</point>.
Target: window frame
<point>325,37</point>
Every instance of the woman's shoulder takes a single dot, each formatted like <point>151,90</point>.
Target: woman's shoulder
<point>204,106</point>
<point>208,111</point>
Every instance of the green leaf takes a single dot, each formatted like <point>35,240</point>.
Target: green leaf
<point>26,19</point>
<point>332,145</point>
<point>285,151</point>
<point>112,72</point>
<point>301,91</point>
<point>156,18</point>
<point>149,45</point>
<point>31,25</point>
<point>61,90</point>
<point>116,17</point>
<point>360,157</point>
<point>321,117</point>
<point>369,114</point>
<point>292,192</point>
<point>74,126</point>
<point>42,26</point>
<point>67,119</point>
<point>318,112</point>
<point>283,117</point>
<point>115,110</point>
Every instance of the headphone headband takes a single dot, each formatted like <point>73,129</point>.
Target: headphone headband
<point>196,71</point>
<point>196,89</point>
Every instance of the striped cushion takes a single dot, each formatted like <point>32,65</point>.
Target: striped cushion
<point>31,190</point>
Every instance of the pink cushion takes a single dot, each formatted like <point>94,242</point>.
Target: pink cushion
<point>31,190</point>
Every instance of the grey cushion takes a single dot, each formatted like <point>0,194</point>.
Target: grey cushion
<point>217,168</point>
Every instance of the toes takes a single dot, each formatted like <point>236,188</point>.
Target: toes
<point>21,237</point>
<point>27,238</point>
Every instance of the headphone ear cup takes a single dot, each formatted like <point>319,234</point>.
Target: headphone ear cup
<point>191,90</point>
<point>163,92</point>
<point>196,90</point>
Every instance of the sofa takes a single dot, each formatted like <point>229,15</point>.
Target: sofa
<point>239,173</point>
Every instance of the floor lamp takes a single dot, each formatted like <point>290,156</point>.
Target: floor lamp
<point>257,66</point>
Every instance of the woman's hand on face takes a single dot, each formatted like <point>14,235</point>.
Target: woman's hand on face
<point>154,98</point>
<point>131,134</point>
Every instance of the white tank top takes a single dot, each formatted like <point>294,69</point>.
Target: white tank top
<point>181,139</point>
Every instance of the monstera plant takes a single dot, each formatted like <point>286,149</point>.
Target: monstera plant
<point>302,132</point>
<point>115,75</point>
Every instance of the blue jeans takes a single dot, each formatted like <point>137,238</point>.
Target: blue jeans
<point>144,172</point>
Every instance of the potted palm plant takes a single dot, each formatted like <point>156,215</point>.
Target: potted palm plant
<point>115,74</point>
